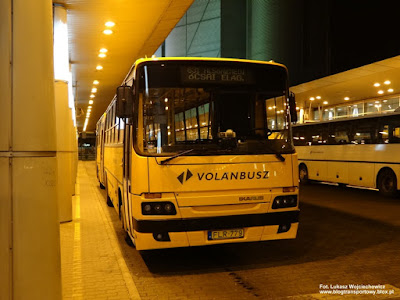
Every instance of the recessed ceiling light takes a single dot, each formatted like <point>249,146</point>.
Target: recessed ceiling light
<point>346,98</point>
<point>103,50</point>
<point>94,90</point>
<point>380,92</point>
<point>90,101</point>
<point>387,82</point>
<point>102,55</point>
<point>312,98</point>
<point>96,82</point>
<point>109,24</point>
<point>318,97</point>
<point>390,90</point>
<point>90,107</point>
<point>108,31</point>
<point>99,67</point>
<point>377,84</point>
<point>92,96</point>
<point>325,102</point>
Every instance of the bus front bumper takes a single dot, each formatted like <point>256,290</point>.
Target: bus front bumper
<point>196,232</point>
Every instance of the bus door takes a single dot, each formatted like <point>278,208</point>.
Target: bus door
<point>126,198</point>
<point>102,142</point>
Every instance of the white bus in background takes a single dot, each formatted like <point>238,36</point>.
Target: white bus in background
<point>362,151</point>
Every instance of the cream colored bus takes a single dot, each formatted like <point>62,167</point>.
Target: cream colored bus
<point>362,151</point>
<point>198,151</point>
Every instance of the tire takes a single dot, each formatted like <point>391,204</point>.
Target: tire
<point>129,241</point>
<point>303,174</point>
<point>109,202</point>
<point>387,183</point>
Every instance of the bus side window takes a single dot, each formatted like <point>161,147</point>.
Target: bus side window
<point>299,138</point>
<point>394,136</point>
<point>383,136</point>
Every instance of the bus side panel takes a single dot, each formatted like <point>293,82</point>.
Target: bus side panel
<point>317,170</point>
<point>113,166</point>
<point>337,171</point>
<point>361,174</point>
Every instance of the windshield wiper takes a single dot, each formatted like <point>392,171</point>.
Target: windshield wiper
<point>277,154</point>
<point>163,162</point>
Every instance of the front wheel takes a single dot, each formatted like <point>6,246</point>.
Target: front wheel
<point>387,183</point>
<point>303,174</point>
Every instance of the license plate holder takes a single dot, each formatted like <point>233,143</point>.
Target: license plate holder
<point>227,234</point>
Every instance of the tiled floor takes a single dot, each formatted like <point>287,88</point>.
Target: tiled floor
<point>92,264</point>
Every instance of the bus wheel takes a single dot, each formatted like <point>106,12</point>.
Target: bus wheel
<point>387,183</point>
<point>303,174</point>
<point>129,241</point>
<point>109,202</point>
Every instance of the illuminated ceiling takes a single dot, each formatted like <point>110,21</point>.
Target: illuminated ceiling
<point>356,84</point>
<point>140,28</point>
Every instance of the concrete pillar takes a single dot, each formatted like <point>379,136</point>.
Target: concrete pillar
<point>29,228</point>
<point>64,155</point>
<point>64,119</point>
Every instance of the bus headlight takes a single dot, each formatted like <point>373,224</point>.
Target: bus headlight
<point>158,208</point>
<point>285,201</point>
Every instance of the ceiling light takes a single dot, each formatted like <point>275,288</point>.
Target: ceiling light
<point>325,102</point>
<point>387,82</point>
<point>380,92</point>
<point>92,96</point>
<point>312,98</point>
<point>318,97</point>
<point>94,90</point>
<point>99,67</point>
<point>108,31</point>
<point>102,55</point>
<point>96,82</point>
<point>390,90</point>
<point>90,101</point>
<point>89,107</point>
<point>346,98</point>
<point>103,50</point>
<point>110,24</point>
<point>377,84</point>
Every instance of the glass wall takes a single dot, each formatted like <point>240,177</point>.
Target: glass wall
<point>356,109</point>
<point>197,34</point>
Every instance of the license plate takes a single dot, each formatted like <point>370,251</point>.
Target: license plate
<point>226,234</point>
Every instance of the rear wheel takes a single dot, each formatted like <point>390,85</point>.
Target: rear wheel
<point>303,174</point>
<point>387,183</point>
<point>109,201</point>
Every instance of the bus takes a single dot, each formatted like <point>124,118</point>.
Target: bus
<point>358,151</point>
<point>198,151</point>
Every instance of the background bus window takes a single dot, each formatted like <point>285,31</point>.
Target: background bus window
<point>362,136</point>
<point>395,136</point>
<point>341,136</point>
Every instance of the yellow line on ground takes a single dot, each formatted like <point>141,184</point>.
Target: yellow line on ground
<point>130,284</point>
<point>77,255</point>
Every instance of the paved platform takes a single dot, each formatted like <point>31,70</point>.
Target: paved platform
<point>92,264</point>
<point>346,236</point>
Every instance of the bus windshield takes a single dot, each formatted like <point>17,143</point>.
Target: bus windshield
<point>212,108</point>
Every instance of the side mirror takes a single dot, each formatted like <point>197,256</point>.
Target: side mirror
<point>292,107</point>
<point>124,102</point>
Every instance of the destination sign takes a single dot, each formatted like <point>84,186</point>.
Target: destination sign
<point>196,74</point>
